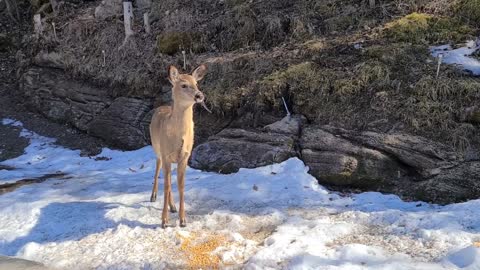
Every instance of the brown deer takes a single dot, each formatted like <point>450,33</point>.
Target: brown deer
<point>171,132</point>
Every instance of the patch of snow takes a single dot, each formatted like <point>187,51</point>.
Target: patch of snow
<point>101,218</point>
<point>460,56</point>
<point>11,122</point>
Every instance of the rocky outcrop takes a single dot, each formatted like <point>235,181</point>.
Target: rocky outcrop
<point>108,9</point>
<point>337,161</point>
<point>403,164</point>
<point>119,121</point>
<point>50,92</point>
<point>123,123</point>
<point>399,163</point>
<point>234,148</point>
<point>426,157</point>
<point>471,115</point>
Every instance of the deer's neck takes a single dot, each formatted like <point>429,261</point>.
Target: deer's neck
<point>183,116</point>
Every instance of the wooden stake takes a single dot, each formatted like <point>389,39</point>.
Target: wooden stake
<point>128,18</point>
<point>286,108</point>
<point>54,31</point>
<point>146,22</point>
<point>37,22</point>
<point>54,4</point>
<point>104,58</point>
<point>184,60</point>
<point>440,57</point>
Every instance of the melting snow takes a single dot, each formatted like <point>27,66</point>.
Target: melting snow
<point>460,56</point>
<point>101,218</point>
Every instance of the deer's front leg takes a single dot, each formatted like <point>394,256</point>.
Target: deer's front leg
<point>153,197</point>
<point>166,192</point>
<point>182,167</point>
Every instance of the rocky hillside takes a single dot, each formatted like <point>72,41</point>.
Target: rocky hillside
<point>371,110</point>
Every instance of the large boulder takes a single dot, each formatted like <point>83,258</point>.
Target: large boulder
<point>426,157</point>
<point>232,149</point>
<point>456,184</point>
<point>404,164</point>
<point>53,94</point>
<point>337,161</point>
<point>123,123</point>
<point>108,9</point>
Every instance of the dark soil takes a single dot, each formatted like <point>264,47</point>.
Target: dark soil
<point>9,187</point>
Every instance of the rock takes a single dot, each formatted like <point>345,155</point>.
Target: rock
<point>143,4</point>
<point>471,115</point>
<point>51,59</point>
<point>232,149</point>
<point>453,185</point>
<point>290,124</point>
<point>122,124</point>
<point>337,161</point>
<point>53,94</point>
<point>20,264</point>
<point>428,158</point>
<point>406,165</point>
<point>108,9</point>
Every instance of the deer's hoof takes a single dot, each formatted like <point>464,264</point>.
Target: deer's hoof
<point>173,209</point>
<point>183,223</point>
<point>153,198</point>
<point>165,225</point>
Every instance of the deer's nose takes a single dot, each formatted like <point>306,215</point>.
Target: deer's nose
<point>199,97</point>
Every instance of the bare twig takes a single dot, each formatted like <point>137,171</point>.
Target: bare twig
<point>440,58</point>
<point>286,108</point>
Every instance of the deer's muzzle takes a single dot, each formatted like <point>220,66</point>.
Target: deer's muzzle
<point>199,97</point>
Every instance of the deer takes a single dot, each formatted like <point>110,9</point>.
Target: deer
<point>171,133</point>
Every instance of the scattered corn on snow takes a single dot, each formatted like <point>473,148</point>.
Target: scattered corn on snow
<point>99,216</point>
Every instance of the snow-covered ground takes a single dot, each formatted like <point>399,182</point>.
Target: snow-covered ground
<point>275,217</point>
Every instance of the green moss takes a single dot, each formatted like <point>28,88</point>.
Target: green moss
<point>422,28</point>
<point>173,42</point>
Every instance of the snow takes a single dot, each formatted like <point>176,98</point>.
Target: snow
<point>98,216</point>
<point>459,56</point>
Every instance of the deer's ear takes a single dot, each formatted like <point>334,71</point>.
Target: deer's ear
<point>172,74</point>
<point>199,72</point>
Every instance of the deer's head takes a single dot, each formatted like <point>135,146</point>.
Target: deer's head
<point>185,90</point>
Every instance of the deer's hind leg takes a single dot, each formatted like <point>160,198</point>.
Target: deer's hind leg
<point>153,197</point>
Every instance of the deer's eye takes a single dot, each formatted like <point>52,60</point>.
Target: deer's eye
<point>184,86</point>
